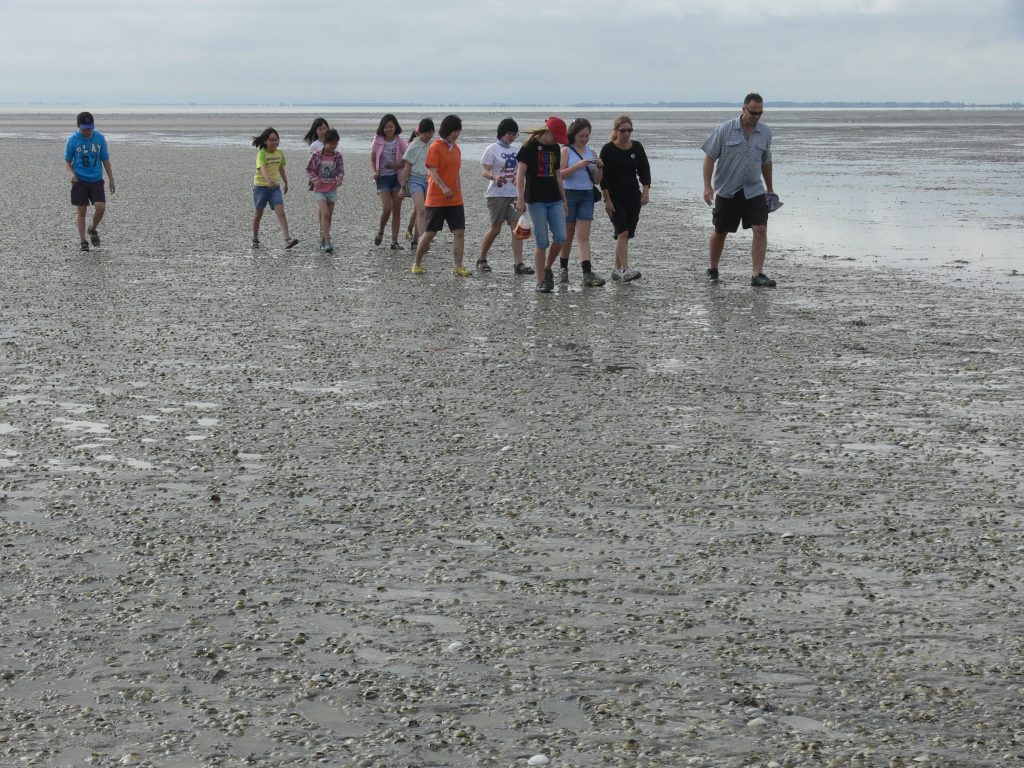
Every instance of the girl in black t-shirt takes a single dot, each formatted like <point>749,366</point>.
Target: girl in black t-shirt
<point>539,187</point>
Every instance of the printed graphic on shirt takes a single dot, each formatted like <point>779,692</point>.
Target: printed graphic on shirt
<point>547,163</point>
<point>508,173</point>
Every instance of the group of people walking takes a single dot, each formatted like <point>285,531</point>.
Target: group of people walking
<point>546,189</point>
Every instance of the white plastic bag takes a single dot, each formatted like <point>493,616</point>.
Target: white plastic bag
<point>524,227</point>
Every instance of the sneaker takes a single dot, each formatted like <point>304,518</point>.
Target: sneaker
<point>563,275</point>
<point>712,274</point>
<point>328,248</point>
<point>616,275</point>
<point>592,279</point>
<point>419,269</point>
<point>522,269</point>
<point>463,272</point>
<point>630,274</point>
<point>549,280</point>
<point>255,242</point>
<point>762,281</point>
<point>291,244</point>
<point>94,236</point>
<point>85,245</point>
<point>483,266</point>
<point>396,247</point>
<point>543,287</point>
<point>378,238</point>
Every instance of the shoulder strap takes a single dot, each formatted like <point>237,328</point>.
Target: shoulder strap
<point>573,150</point>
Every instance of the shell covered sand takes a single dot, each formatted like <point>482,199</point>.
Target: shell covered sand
<point>284,509</point>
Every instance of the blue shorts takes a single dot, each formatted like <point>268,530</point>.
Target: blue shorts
<point>581,205</point>
<point>389,183</point>
<point>330,197</point>
<point>417,184</point>
<point>546,215</point>
<point>264,196</point>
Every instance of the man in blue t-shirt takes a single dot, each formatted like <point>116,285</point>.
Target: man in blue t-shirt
<point>86,157</point>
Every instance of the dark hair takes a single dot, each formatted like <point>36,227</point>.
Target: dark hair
<point>85,118</point>
<point>311,136</point>
<point>578,125</point>
<point>261,140</point>
<point>755,97</point>
<point>331,135</point>
<point>388,119</point>
<point>449,125</point>
<point>508,125</point>
<point>426,126</point>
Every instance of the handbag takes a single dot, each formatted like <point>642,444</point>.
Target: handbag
<point>595,190</point>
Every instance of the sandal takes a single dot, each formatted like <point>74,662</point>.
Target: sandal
<point>483,266</point>
<point>94,236</point>
<point>396,247</point>
<point>379,238</point>
<point>291,244</point>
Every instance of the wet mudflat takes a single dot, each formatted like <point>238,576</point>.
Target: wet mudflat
<point>282,509</point>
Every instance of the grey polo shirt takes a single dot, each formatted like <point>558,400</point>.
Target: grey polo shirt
<point>738,158</point>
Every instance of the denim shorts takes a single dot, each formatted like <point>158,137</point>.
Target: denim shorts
<point>417,184</point>
<point>581,205</point>
<point>264,196</point>
<point>546,215</point>
<point>389,183</point>
<point>330,197</point>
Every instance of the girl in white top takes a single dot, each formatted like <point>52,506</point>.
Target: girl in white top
<point>581,170</point>
<point>414,176</point>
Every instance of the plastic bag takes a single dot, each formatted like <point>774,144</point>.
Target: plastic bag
<point>524,227</point>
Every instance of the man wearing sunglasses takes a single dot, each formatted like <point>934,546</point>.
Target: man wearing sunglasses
<point>739,153</point>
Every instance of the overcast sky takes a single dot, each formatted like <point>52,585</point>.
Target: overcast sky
<point>111,52</point>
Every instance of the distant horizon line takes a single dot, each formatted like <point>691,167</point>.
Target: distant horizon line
<point>578,105</point>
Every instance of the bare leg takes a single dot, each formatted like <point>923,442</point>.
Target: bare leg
<point>553,251</point>
<point>282,220</point>
<point>570,232</point>
<point>622,251</point>
<point>420,211</point>
<point>80,213</point>
<point>489,237</point>
<point>583,240</point>
<point>758,248</point>
<point>517,249</point>
<point>396,220</point>
<point>715,247</point>
<point>458,245</point>
<point>386,204</point>
<point>425,240</point>
<point>256,219</point>
<point>97,214</point>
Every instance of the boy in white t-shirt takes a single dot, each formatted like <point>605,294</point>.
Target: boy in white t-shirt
<point>499,167</point>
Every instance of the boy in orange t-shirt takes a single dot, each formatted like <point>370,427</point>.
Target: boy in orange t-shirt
<point>444,195</point>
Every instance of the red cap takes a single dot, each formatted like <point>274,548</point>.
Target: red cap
<point>557,127</point>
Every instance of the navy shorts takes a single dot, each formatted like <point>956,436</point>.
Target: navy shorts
<point>264,196</point>
<point>729,211</point>
<point>455,215</point>
<point>86,192</point>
